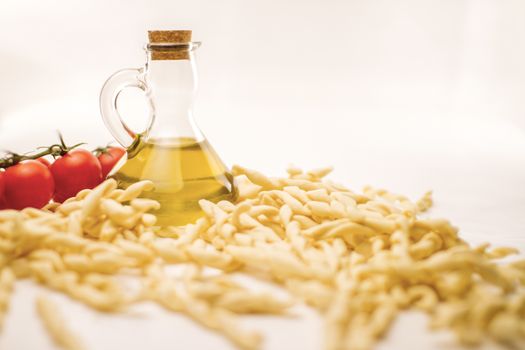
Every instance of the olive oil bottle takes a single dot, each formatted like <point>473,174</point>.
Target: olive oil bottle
<point>171,151</point>
<point>183,171</point>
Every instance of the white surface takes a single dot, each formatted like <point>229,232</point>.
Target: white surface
<point>406,95</point>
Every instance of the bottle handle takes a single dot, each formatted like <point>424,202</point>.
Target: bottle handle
<point>109,94</point>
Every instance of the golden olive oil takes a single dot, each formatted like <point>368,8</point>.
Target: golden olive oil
<point>183,170</point>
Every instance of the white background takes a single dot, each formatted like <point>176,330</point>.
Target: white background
<point>409,94</point>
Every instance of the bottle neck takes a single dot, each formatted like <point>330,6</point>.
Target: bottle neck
<point>171,88</point>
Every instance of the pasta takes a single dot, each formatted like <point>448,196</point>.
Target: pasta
<point>7,279</point>
<point>359,259</point>
<point>55,325</point>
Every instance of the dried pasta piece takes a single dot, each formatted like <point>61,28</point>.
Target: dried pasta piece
<point>254,176</point>
<point>134,190</point>
<point>242,301</point>
<point>56,326</point>
<point>7,279</point>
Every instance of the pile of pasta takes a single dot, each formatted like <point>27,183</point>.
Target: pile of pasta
<point>358,258</point>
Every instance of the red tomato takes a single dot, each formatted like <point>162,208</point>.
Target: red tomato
<point>75,171</point>
<point>44,161</point>
<point>28,184</point>
<point>109,158</point>
<point>2,186</point>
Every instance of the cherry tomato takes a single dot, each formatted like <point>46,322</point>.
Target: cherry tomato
<point>109,158</point>
<point>73,172</point>
<point>28,184</point>
<point>2,187</point>
<point>44,161</point>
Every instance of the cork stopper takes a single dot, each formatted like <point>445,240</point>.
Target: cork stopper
<point>169,37</point>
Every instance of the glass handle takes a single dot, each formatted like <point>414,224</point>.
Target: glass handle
<point>108,104</point>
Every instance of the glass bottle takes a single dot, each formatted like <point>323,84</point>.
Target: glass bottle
<point>172,151</point>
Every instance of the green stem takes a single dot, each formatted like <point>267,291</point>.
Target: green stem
<point>55,150</point>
